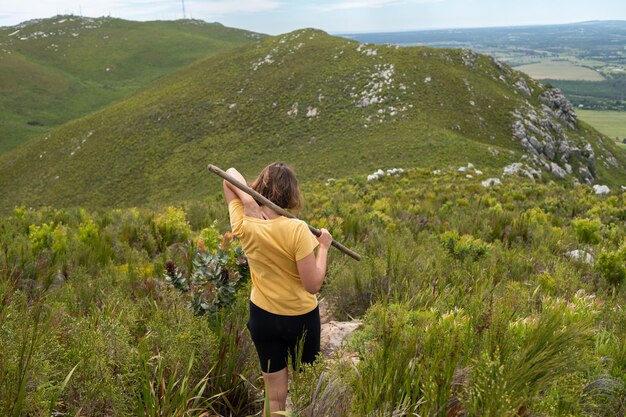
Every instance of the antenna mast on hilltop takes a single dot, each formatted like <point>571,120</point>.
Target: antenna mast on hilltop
<point>184,14</point>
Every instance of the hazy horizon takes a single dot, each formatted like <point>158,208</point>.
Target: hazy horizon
<point>333,16</point>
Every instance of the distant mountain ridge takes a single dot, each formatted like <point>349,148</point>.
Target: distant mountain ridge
<point>586,60</point>
<point>592,41</point>
<point>485,35</point>
<point>58,69</point>
<point>329,106</point>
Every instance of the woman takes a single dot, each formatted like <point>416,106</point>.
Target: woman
<point>286,275</point>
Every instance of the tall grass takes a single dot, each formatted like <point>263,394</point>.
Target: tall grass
<point>89,324</point>
<point>26,342</point>
<point>513,369</point>
<point>163,395</point>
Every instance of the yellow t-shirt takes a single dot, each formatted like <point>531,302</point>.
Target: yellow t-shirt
<point>272,248</point>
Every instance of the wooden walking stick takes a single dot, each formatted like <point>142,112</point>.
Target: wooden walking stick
<point>262,200</point>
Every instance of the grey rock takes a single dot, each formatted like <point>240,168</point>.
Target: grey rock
<point>601,189</point>
<point>547,110</point>
<point>580,255</point>
<point>334,334</point>
<point>557,171</point>
<point>501,66</point>
<point>561,107</point>
<point>565,150</point>
<point>528,147</point>
<point>469,58</point>
<point>585,173</point>
<point>568,168</point>
<point>523,86</point>
<point>548,150</point>
<point>535,143</point>
<point>491,182</point>
<point>519,131</point>
<point>517,168</point>
<point>536,130</point>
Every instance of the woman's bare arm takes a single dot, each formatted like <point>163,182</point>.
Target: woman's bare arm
<point>312,269</point>
<point>251,207</point>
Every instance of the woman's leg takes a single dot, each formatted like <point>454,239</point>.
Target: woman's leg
<point>276,390</point>
<point>266,330</point>
<point>304,345</point>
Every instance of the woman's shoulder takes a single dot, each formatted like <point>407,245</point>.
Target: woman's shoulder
<point>294,221</point>
<point>294,224</point>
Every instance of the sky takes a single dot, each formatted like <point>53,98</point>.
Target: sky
<point>334,16</point>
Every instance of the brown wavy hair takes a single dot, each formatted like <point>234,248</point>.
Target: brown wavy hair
<point>278,183</point>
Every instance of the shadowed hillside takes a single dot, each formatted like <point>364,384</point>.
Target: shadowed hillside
<point>330,106</point>
<point>55,70</point>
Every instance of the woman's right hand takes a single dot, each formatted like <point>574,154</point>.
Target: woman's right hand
<point>325,239</point>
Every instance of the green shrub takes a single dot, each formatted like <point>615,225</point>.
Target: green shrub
<point>612,266</point>
<point>464,247</point>
<point>41,236</point>
<point>587,230</point>
<point>88,232</point>
<point>172,225</point>
<point>210,237</point>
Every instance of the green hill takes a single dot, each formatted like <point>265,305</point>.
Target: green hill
<point>330,106</point>
<point>58,69</point>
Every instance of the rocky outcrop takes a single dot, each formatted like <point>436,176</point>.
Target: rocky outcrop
<point>560,106</point>
<point>519,169</point>
<point>542,133</point>
<point>522,86</point>
<point>469,58</point>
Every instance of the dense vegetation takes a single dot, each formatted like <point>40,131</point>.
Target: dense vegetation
<point>290,97</point>
<point>117,313</point>
<point>608,95</point>
<point>476,301</point>
<point>59,69</point>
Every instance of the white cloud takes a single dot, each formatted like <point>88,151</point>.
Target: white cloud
<point>368,4</point>
<point>220,7</point>
<point>144,8</point>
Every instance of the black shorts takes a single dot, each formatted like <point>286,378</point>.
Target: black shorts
<point>276,337</point>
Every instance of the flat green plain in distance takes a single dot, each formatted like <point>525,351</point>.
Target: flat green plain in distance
<point>560,70</point>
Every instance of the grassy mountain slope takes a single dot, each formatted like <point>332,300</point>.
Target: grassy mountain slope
<point>329,106</point>
<point>58,69</point>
